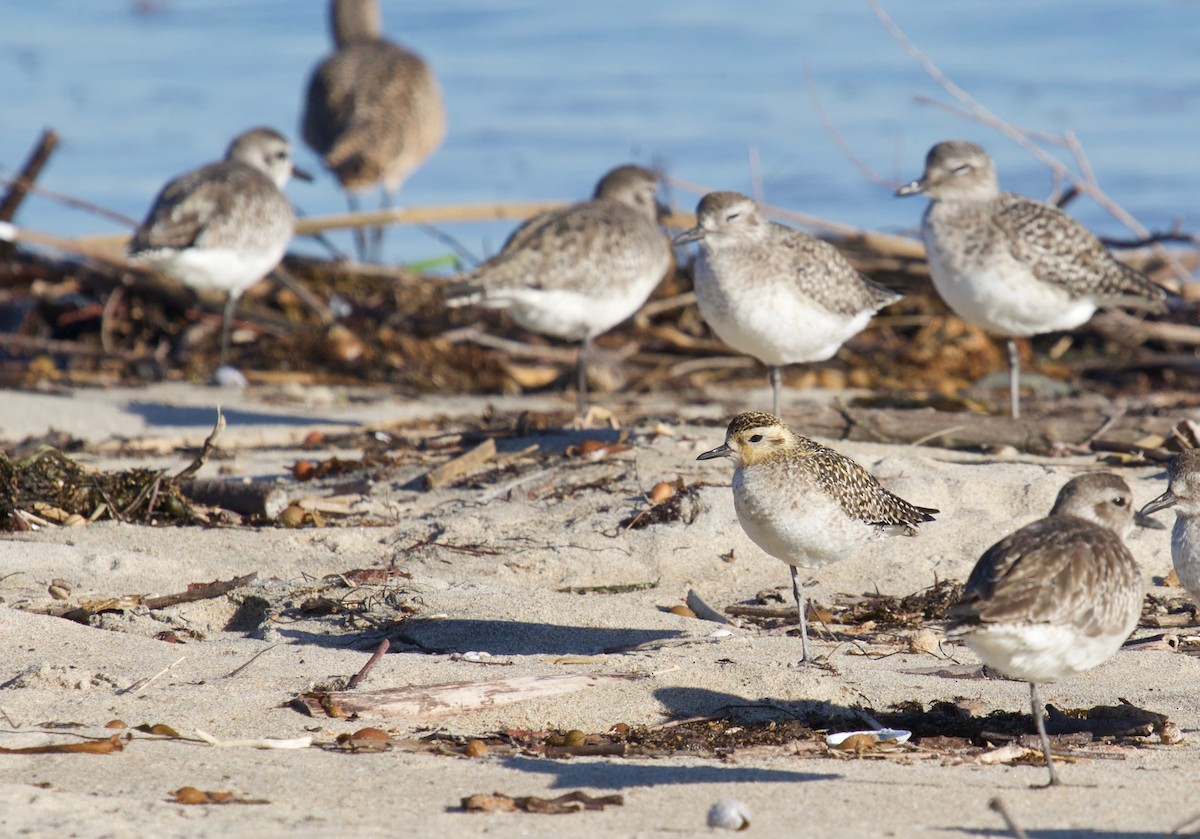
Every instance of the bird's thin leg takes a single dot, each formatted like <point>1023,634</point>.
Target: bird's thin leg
<point>776,385</point>
<point>1039,710</point>
<point>386,202</point>
<point>360,236</point>
<point>1014,378</point>
<point>227,327</point>
<point>801,608</point>
<point>581,375</point>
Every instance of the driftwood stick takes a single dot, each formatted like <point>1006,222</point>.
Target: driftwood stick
<point>264,501</point>
<point>210,443</point>
<point>19,187</point>
<point>357,678</point>
<point>214,589</point>
<point>462,465</point>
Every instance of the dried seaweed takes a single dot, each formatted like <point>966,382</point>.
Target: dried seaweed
<point>50,486</point>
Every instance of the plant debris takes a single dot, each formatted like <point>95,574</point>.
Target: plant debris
<point>49,487</point>
<point>571,802</point>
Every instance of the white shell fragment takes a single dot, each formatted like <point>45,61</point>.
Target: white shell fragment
<point>729,814</point>
<point>883,735</point>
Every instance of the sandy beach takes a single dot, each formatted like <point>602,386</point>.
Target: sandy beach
<point>476,580</point>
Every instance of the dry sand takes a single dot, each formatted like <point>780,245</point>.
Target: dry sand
<point>503,601</point>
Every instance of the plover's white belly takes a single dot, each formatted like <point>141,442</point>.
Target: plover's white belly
<point>223,269</point>
<point>1043,652</point>
<point>774,323</point>
<point>804,528</point>
<point>1001,294</point>
<point>1185,553</point>
<point>577,314</point>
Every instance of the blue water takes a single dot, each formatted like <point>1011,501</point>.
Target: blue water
<point>543,97</point>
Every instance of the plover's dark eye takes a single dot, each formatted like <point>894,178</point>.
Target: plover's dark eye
<point>732,216</point>
<point>757,438</point>
<point>962,169</point>
<point>1120,501</point>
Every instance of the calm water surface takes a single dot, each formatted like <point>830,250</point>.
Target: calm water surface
<point>543,97</point>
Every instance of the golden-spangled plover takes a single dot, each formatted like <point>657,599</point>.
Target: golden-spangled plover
<point>1012,265</point>
<point>1183,493</point>
<point>226,225</point>
<point>772,292</point>
<point>1059,596</point>
<point>805,503</point>
<point>577,272</point>
<point>373,111</point>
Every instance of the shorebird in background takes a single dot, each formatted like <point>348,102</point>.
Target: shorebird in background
<point>1012,265</point>
<point>577,272</point>
<point>373,111</point>
<point>772,292</point>
<point>226,225</point>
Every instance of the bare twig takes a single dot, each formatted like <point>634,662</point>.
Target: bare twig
<point>210,443</point>
<point>252,659</point>
<point>358,677</point>
<point>835,135</point>
<point>141,684</point>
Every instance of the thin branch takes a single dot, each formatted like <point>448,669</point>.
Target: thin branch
<point>835,135</point>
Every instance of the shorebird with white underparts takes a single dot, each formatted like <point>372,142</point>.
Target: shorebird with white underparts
<point>804,503</point>
<point>775,293</point>
<point>1057,597</point>
<point>226,225</point>
<point>1012,265</point>
<point>577,272</point>
<point>1183,494</point>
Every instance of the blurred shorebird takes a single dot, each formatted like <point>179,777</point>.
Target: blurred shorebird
<point>373,111</point>
<point>226,225</point>
<point>1012,265</point>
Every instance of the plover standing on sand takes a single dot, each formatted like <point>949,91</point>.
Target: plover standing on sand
<point>1183,493</point>
<point>772,292</point>
<point>1057,597</point>
<point>226,225</point>
<point>577,272</point>
<point>373,111</point>
<point>1012,265</point>
<point>805,503</point>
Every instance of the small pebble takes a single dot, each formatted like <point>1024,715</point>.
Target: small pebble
<point>476,748</point>
<point>682,611</point>
<point>729,814</point>
<point>227,376</point>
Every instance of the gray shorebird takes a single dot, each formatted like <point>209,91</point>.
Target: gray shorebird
<point>373,111</point>
<point>805,503</point>
<point>1057,597</point>
<point>1183,493</point>
<point>577,272</point>
<point>226,225</point>
<point>772,292</point>
<point>1012,265</point>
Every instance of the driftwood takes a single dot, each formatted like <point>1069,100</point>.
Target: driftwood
<point>462,465</point>
<point>428,702</point>
<point>263,501</point>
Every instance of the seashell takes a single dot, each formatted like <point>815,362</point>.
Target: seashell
<point>729,814</point>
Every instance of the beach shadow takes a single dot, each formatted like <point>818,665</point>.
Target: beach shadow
<point>1063,833</point>
<point>498,637</point>
<point>183,416</point>
<point>606,774</point>
<point>688,702</point>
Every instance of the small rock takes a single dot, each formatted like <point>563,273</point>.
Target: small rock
<point>729,814</point>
